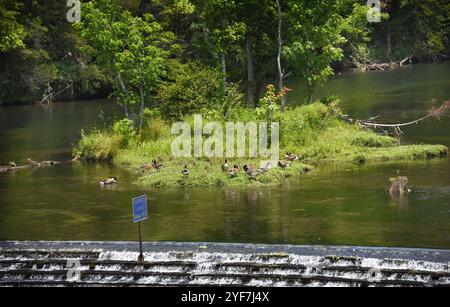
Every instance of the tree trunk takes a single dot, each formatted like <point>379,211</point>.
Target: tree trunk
<point>388,43</point>
<point>280,49</point>
<point>223,62</point>
<point>141,111</point>
<point>124,89</point>
<point>251,86</point>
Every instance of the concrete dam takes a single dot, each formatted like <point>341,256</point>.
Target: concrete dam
<point>105,264</point>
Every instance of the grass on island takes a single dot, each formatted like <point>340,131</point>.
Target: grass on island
<point>313,131</point>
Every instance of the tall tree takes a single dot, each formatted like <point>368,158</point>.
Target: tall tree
<point>12,32</point>
<point>219,29</point>
<point>259,16</point>
<point>132,50</point>
<point>280,50</point>
<point>314,42</point>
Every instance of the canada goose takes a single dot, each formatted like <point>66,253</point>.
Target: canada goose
<point>32,163</point>
<point>265,168</point>
<point>291,157</point>
<point>12,164</point>
<point>109,181</point>
<point>157,166</point>
<point>185,172</point>
<point>146,167</point>
<point>234,172</point>
<point>284,164</point>
<point>225,166</point>
<point>49,163</point>
<point>251,171</point>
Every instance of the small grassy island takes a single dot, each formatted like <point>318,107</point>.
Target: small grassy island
<point>315,132</point>
<point>159,77</point>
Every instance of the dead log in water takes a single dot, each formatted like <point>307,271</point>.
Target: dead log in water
<point>5,169</point>
<point>30,164</point>
<point>398,186</point>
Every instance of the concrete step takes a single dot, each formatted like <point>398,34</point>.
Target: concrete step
<point>183,265</point>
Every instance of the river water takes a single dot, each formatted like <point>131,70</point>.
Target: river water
<point>335,205</point>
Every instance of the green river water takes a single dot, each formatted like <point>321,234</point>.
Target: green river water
<point>335,205</point>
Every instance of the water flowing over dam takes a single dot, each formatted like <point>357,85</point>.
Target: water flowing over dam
<point>84,264</point>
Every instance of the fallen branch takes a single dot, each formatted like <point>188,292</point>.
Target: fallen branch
<point>49,97</point>
<point>376,125</point>
<point>408,59</point>
<point>435,112</point>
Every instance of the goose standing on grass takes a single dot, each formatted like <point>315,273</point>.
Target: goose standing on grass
<point>109,181</point>
<point>234,172</point>
<point>291,157</point>
<point>157,166</point>
<point>252,172</point>
<point>146,167</point>
<point>284,164</point>
<point>265,168</point>
<point>225,166</point>
<point>185,172</point>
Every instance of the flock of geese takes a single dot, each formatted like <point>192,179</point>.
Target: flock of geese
<point>12,166</point>
<point>232,172</point>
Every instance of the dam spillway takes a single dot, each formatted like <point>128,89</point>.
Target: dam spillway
<point>101,264</point>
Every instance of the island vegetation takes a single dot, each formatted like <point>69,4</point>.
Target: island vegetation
<point>163,61</point>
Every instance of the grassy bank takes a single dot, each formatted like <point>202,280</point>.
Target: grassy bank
<point>314,131</point>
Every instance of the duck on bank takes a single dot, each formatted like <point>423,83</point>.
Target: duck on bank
<point>185,172</point>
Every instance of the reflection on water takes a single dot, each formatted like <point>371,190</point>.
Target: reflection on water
<point>336,205</point>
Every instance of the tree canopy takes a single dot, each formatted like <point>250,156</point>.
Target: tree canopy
<point>123,47</point>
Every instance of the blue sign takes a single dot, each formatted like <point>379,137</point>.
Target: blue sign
<point>140,212</point>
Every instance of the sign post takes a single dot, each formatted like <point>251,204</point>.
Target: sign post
<point>140,213</point>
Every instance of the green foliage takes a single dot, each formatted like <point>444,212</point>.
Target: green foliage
<point>192,88</point>
<point>366,138</point>
<point>125,130</point>
<point>313,131</point>
<point>154,130</point>
<point>300,126</point>
<point>131,50</point>
<point>42,51</point>
<point>315,40</point>
<point>269,106</point>
<point>119,45</point>
<point>97,146</point>
<point>12,32</point>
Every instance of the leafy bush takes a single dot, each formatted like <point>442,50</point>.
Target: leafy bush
<point>269,105</point>
<point>154,130</point>
<point>301,125</point>
<point>97,146</point>
<point>370,139</point>
<point>124,129</point>
<point>192,88</point>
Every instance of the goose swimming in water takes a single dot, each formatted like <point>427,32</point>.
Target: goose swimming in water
<point>109,181</point>
<point>32,163</point>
